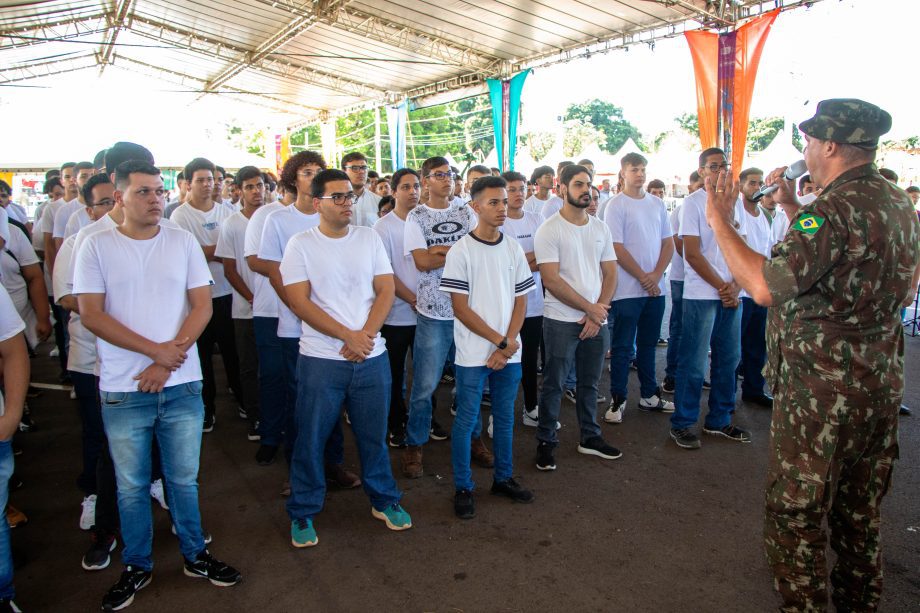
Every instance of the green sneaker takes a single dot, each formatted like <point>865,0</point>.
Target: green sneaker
<point>303,534</point>
<point>395,516</point>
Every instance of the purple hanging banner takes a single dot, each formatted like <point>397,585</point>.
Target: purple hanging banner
<point>727,44</point>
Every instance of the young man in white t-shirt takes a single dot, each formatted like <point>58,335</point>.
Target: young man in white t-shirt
<point>203,217</point>
<point>676,279</point>
<point>753,316</point>
<point>355,166</point>
<point>521,225</point>
<point>543,177</point>
<point>641,232</point>
<point>250,184</point>
<point>146,320</point>
<point>711,319</point>
<point>82,173</point>
<point>399,328</point>
<point>488,278</point>
<point>578,266</point>
<point>338,280</point>
<point>431,230</point>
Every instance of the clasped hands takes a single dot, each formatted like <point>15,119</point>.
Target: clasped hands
<point>594,318</point>
<point>167,357</point>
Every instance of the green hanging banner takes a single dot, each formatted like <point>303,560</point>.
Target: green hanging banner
<point>505,96</point>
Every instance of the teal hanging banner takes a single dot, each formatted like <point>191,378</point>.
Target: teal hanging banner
<point>505,96</point>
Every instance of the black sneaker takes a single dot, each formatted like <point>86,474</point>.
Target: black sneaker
<point>668,385</point>
<point>733,432</point>
<point>25,422</point>
<point>122,593</point>
<point>242,412</point>
<point>464,508</point>
<point>707,385</point>
<point>252,434</point>
<point>662,342</point>
<point>397,440</point>
<point>447,378</point>
<point>437,432</point>
<point>633,364</point>
<point>7,604</point>
<point>209,421</point>
<point>570,395</point>
<point>546,457</point>
<point>513,490</point>
<point>265,456</point>
<point>685,439</point>
<point>208,567</point>
<point>486,399</point>
<point>98,555</point>
<point>599,447</point>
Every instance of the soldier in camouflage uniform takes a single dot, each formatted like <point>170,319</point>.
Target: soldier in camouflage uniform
<point>836,285</point>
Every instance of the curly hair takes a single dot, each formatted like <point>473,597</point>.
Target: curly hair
<point>288,178</point>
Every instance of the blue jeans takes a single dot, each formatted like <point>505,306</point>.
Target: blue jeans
<point>87,391</point>
<point>753,347</point>
<point>131,420</point>
<point>563,349</point>
<point>6,557</point>
<point>323,386</point>
<point>707,322</point>
<point>639,319</point>
<point>504,387</point>
<point>272,389</point>
<point>674,327</point>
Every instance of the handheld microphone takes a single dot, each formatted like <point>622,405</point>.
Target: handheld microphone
<point>792,172</point>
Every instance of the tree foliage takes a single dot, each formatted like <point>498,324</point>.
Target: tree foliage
<point>245,137</point>
<point>690,123</point>
<point>608,120</point>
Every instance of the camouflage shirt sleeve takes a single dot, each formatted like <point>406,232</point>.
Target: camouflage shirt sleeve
<point>807,253</point>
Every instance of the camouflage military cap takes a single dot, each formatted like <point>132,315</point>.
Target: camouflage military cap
<point>849,121</point>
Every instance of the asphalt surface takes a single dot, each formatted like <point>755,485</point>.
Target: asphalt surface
<point>661,529</point>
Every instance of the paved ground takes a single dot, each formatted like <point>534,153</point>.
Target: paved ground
<point>661,529</point>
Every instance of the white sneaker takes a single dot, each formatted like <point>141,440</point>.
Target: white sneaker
<point>54,353</point>
<point>656,404</point>
<point>614,414</point>
<point>489,429</point>
<point>88,516</point>
<point>156,492</point>
<point>532,418</point>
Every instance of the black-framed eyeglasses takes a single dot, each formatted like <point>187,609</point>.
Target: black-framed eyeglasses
<point>440,176</point>
<point>717,167</point>
<point>357,168</point>
<point>340,199</point>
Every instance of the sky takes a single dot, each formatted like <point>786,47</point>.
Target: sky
<point>837,48</point>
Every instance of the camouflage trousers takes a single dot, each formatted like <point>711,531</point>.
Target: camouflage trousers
<point>831,456</point>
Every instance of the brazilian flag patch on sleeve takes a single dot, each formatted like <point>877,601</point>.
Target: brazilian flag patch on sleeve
<point>809,224</point>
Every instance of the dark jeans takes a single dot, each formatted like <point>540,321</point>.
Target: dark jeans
<point>753,347</point>
<point>563,349</point>
<point>249,367</point>
<point>639,320</point>
<point>272,389</point>
<point>531,339</point>
<point>675,327</point>
<point>86,389</point>
<point>61,337</point>
<point>219,330</point>
<point>399,340</point>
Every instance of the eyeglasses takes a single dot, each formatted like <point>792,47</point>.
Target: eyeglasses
<point>340,199</point>
<point>440,176</point>
<point>105,202</point>
<point>357,168</point>
<point>717,167</point>
<point>306,174</point>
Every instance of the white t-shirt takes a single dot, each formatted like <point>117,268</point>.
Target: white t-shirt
<point>280,226</point>
<point>10,325</point>
<point>427,227</point>
<point>579,250</point>
<point>145,285</point>
<point>264,299</point>
<point>364,211</point>
<point>46,223</point>
<point>391,230</point>
<point>677,260</point>
<point>78,219</point>
<point>62,215</point>
<point>230,245</point>
<point>759,236</point>
<point>552,206</point>
<point>780,225</point>
<point>523,231</point>
<point>17,212</point>
<point>693,223</point>
<point>639,224</point>
<point>205,227</point>
<point>15,284</point>
<point>492,275</point>
<point>341,273</point>
<point>81,352</point>
<point>535,205</point>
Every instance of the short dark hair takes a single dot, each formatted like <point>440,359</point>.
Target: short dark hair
<point>913,189</point>
<point>124,171</point>
<point>199,164</point>
<point>97,179</point>
<point>694,176</point>
<point>247,172</point>
<point>297,161</point>
<point>487,182</point>
<point>385,201</point>
<point>805,179</point>
<point>513,176</point>
<point>269,180</point>
<point>539,171</point>
<point>54,172</point>
<point>351,157</point>
<point>99,160</point>
<point>563,164</point>
<point>318,186</point>
<point>495,169</point>
<point>584,161</point>
<point>5,187</point>
<point>479,168</point>
<point>656,184</point>
<point>50,184</point>
<point>399,174</point>
<point>123,151</point>
<point>180,176</point>
<point>373,174</point>
<point>83,166</point>
<point>888,174</point>
<point>707,152</point>
<point>632,159</point>
<point>433,162</point>
<point>67,165</point>
<point>747,172</point>
<point>570,171</point>
<point>219,169</point>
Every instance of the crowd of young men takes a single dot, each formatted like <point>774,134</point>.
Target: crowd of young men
<point>324,297</point>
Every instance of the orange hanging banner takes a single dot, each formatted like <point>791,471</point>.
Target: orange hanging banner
<point>704,49</point>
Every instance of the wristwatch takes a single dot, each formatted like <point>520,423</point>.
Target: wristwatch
<point>504,344</point>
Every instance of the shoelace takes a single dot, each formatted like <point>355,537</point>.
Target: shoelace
<point>301,524</point>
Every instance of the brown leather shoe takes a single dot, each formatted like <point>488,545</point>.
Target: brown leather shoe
<point>15,517</point>
<point>480,454</point>
<point>338,476</point>
<point>412,462</point>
